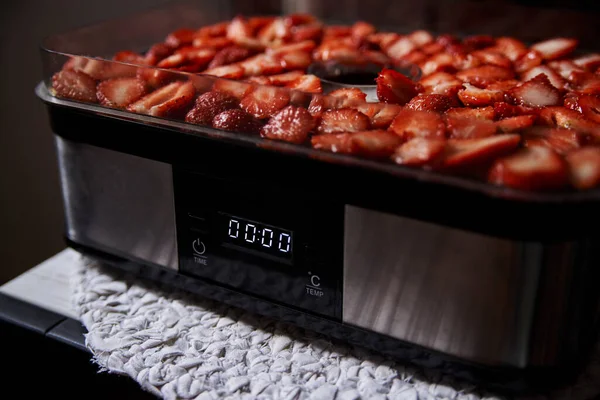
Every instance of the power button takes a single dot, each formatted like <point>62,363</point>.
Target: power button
<point>198,247</point>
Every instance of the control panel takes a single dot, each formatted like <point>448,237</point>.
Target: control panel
<point>261,239</point>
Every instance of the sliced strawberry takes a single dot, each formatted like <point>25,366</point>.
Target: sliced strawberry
<point>240,32</point>
<point>571,101</point>
<point>420,38</point>
<point>75,63</point>
<point>360,31</point>
<point>300,19</point>
<point>585,82</point>
<point>564,68</point>
<point>156,78</point>
<point>555,79</point>
<point>492,57</point>
<point>74,85</point>
<point>504,110</point>
<point>515,124</point>
<point>158,52</point>
<point>261,80</point>
<point>186,56</point>
<point>232,88</point>
<point>341,53</point>
<point>382,39</point>
<point>476,42</point>
<point>466,61</point>
<point>469,128</point>
<point>261,64</point>
<point>393,87</point>
<point>276,32</point>
<point>529,60</point>
<point>419,152</point>
<point>399,48</point>
<point>218,29</point>
<point>589,61</point>
<point>233,71</point>
<point>130,57</point>
<point>503,86</point>
<point>307,32</point>
<point>257,23</point>
<point>208,105</point>
<point>472,96</point>
<point>590,107</point>
<point>441,83</point>
<point>440,62</point>
<point>295,60</point>
<point>306,83</point>
<point>536,92</point>
<point>215,43</point>
<point>237,120</point>
<point>384,116</point>
<point>374,144</point>
<point>343,120</point>
<point>562,117</point>
<point>169,101</point>
<point>485,113</point>
<point>431,102</point>
<point>512,48</point>
<point>347,97</point>
<point>264,101</point>
<point>485,75</point>
<point>100,70</point>
<point>376,57</point>
<point>180,37</point>
<point>431,49</point>
<point>534,168</point>
<point>285,78</point>
<point>292,124</point>
<point>333,142</point>
<point>558,139</point>
<point>553,49</point>
<point>317,106</point>
<point>584,167</point>
<point>410,123</point>
<point>229,55</point>
<point>120,92</point>
<point>467,153</point>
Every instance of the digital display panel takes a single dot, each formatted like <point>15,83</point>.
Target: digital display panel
<point>257,237</point>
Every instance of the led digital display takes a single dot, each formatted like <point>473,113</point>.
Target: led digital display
<point>257,237</point>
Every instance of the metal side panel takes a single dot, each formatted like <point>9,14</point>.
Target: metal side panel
<point>118,202</point>
<point>453,291</point>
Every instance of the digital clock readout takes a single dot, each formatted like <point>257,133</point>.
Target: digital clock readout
<point>257,237</point>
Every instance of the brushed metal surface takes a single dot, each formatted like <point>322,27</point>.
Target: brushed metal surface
<point>118,202</point>
<point>453,291</point>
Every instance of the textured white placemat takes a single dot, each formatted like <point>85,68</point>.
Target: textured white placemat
<point>181,347</point>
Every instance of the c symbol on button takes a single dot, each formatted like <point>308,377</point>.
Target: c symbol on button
<point>315,280</point>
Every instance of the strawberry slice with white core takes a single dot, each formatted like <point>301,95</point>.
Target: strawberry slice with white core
<point>512,48</point>
<point>306,83</point>
<point>469,128</point>
<point>472,96</point>
<point>226,71</point>
<point>536,92</point>
<point>333,142</point>
<point>343,120</point>
<point>401,47</point>
<point>555,79</point>
<point>74,85</point>
<point>529,60</point>
<point>384,116</point>
<point>374,144</point>
<point>485,75</point>
<point>120,92</point>
<point>294,60</point>
<point>292,124</point>
<point>264,101</point>
<point>215,43</point>
<point>261,64</point>
<point>168,101</point>
<point>395,88</point>
<point>589,62</point>
<point>479,113</point>
<point>419,152</point>
<point>441,83</point>
<point>438,63</point>
<point>564,68</point>
<point>504,110</point>
<point>233,88</point>
<point>584,167</point>
<point>492,57</point>
<point>534,168</point>
<point>562,117</point>
<point>515,124</point>
<point>411,123</point>
<point>555,48</point>
<point>346,97</point>
<point>285,78</point>
<point>464,153</point>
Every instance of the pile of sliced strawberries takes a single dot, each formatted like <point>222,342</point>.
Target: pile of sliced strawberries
<point>490,108</point>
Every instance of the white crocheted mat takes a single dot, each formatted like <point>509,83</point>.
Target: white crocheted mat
<point>177,346</point>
